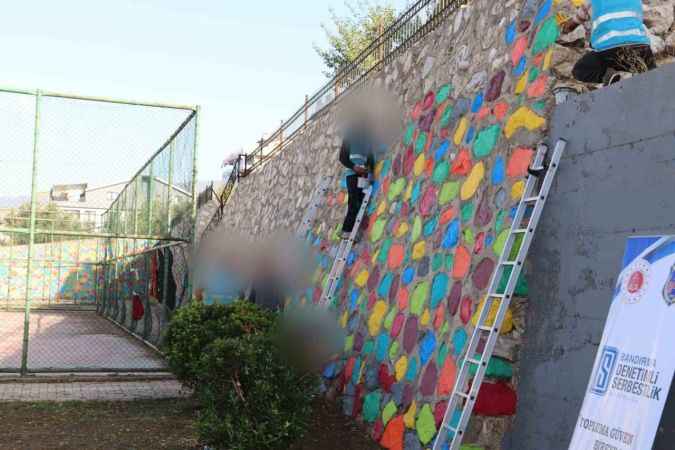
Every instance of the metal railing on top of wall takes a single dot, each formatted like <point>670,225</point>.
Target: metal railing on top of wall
<point>417,21</point>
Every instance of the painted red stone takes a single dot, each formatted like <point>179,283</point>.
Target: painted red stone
<point>462,263</point>
<point>429,379</point>
<point>395,257</point>
<point>402,298</point>
<point>405,209</point>
<point>538,87</point>
<point>445,132</point>
<point>446,381</point>
<point>385,378</point>
<point>429,167</point>
<point>465,310</point>
<point>518,49</point>
<point>537,60</point>
<point>447,215</point>
<point>482,273</point>
<point>495,87</point>
<point>410,334</point>
<point>496,399</point>
<point>378,430</point>
<point>396,327</point>
<point>439,317</point>
<point>454,298</point>
<point>500,110</point>
<point>392,439</point>
<point>429,100</point>
<point>520,160</point>
<point>372,299</point>
<point>429,200</point>
<point>408,161</point>
<point>439,412</point>
<point>417,110</point>
<point>480,243</point>
<point>349,368</point>
<point>427,120</point>
<point>483,112</point>
<point>462,163</point>
<point>358,400</point>
<point>523,26</point>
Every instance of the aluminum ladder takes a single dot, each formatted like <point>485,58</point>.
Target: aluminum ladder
<point>343,252</point>
<point>464,395</point>
<point>315,202</point>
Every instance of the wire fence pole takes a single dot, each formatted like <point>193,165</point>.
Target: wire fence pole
<point>165,272</point>
<point>31,236</point>
<point>195,225</point>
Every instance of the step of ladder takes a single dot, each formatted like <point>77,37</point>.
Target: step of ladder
<point>343,253</point>
<point>315,202</point>
<point>466,389</point>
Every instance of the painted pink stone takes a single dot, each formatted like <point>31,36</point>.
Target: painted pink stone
<point>372,299</point>
<point>482,273</point>
<point>523,26</point>
<point>358,342</point>
<point>480,243</point>
<point>483,212</point>
<point>374,279</point>
<point>405,209</point>
<point>393,291</point>
<point>417,110</point>
<point>495,87</point>
<point>518,50</point>
<point>429,200</point>
<point>427,120</point>
<point>454,298</point>
<point>439,412</point>
<point>429,100</point>
<point>378,430</point>
<point>465,310</point>
<point>408,161</point>
<point>410,334</point>
<point>429,379</point>
<point>407,396</point>
<point>396,165</point>
<point>397,325</point>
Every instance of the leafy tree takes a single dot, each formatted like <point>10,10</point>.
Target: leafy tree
<point>353,33</point>
<point>47,217</point>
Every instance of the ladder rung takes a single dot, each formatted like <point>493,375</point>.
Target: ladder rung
<point>449,428</point>
<point>521,230</point>
<point>474,361</point>
<point>508,263</point>
<point>495,295</point>
<point>462,394</point>
<point>531,199</point>
<point>484,328</point>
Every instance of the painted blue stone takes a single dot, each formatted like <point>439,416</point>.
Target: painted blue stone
<point>430,226</point>
<point>512,212</point>
<point>317,241</point>
<point>408,275</point>
<point>416,191</point>
<point>459,338</point>
<point>385,285</point>
<point>477,103</point>
<point>329,371</point>
<point>451,237</point>
<point>461,107</point>
<point>343,183</point>
<point>353,324</point>
<point>357,371</point>
<point>397,393</point>
<point>427,347</point>
<point>347,405</point>
<point>411,373</point>
<point>441,150</point>
<point>372,207</point>
<point>351,257</point>
<point>386,165</point>
<point>397,208</point>
<point>499,171</point>
<point>382,347</point>
<point>353,299</point>
<point>520,67</point>
<point>544,9</point>
<point>489,239</point>
<point>371,379</point>
<point>350,389</point>
<point>511,33</point>
<point>439,289</point>
<point>469,135</point>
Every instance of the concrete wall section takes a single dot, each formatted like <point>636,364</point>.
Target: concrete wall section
<point>617,180</point>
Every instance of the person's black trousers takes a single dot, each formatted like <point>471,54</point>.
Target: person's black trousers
<point>355,198</point>
<point>592,67</point>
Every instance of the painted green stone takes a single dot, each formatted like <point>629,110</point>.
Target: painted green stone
<point>426,425</point>
<point>498,246</point>
<point>486,141</point>
<point>384,251</point>
<point>420,143</point>
<point>410,132</point>
<point>378,229</point>
<point>469,236</point>
<point>389,320</point>
<point>419,298</point>
<point>371,406</point>
<point>395,189</point>
<point>449,262</point>
<point>467,212</point>
<point>388,412</point>
<point>499,222</point>
<point>444,329</point>
<point>448,192</point>
<point>446,116</point>
<point>539,106</point>
<point>546,36</point>
<point>368,347</point>
<point>416,229</point>
<point>522,289</point>
<point>442,354</point>
<point>534,73</point>
<point>443,93</point>
<point>349,343</point>
<point>441,172</point>
<point>393,350</point>
<point>497,368</point>
<point>437,262</point>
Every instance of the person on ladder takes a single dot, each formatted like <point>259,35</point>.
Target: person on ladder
<point>357,155</point>
<point>618,39</point>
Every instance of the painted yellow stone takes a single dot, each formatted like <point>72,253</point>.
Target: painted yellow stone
<point>507,324</point>
<point>420,163</point>
<point>373,259</point>
<point>401,367</point>
<point>426,317</point>
<point>343,319</point>
<point>473,181</point>
<point>408,191</point>
<point>547,59</point>
<point>402,229</point>
<point>461,130</point>
<point>517,190</point>
<point>376,318</point>
<point>382,207</point>
<point>409,417</point>
<point>418,250</point>
<point>378,169</point>
<point>524,117</point>
<point>522,83</point>
<point>362,278</point>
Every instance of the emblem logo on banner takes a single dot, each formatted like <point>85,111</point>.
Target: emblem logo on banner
<point>635,283</point>
<point>669,288</point>
<point>605,370</point>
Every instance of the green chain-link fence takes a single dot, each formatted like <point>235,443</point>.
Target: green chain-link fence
<point>83,232</point>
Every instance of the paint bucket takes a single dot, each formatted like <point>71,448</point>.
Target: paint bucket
<point>563,93</point>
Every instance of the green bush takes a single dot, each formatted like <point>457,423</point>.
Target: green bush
<point>196,326</point>
<point>251,397</point>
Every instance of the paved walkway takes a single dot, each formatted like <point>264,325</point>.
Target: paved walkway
<point>90,391</point>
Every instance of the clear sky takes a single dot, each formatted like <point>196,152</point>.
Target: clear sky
<point>248,64</point>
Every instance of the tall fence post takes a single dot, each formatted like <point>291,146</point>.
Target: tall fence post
<point>195,226</point>
<point>165,272</point>
<point>31,236</point>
